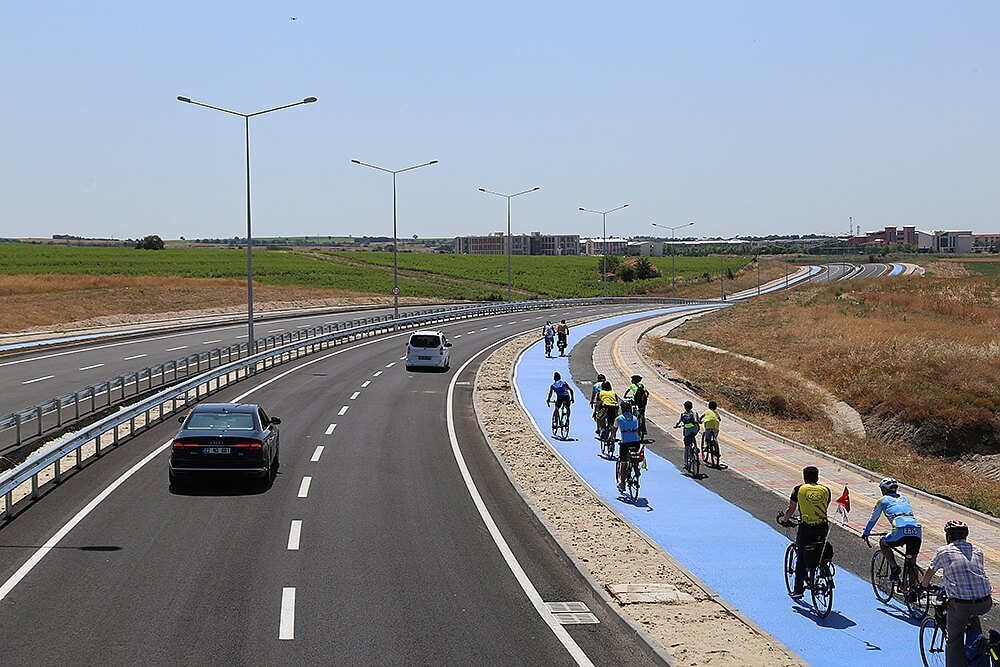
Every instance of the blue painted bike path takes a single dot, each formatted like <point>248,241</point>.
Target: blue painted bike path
<point>733,552</point>
<point>897,269</point>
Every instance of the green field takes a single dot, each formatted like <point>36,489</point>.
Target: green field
<point>989,268</point>
<point>473,277</point>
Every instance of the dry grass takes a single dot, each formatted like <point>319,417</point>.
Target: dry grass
<point>708,288</point>
<point>947,269</point>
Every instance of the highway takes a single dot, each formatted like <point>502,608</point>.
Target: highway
<point>367,549</point>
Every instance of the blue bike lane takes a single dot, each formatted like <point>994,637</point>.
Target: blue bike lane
<point>733,552</point>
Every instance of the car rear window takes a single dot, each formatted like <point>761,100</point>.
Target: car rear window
<point>232,421</point>
<point>425,341</point>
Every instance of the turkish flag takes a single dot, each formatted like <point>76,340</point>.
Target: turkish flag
<point>845,500</point>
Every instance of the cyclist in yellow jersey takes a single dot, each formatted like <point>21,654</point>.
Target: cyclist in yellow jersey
<point>812,500</point>
<point>607,401</point>
<point>710,419</point>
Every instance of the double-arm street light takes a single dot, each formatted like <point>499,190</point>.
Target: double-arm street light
<point>673,254</point>
<point>604,254</point>
<point>246,117</point>
<point>395,265</point>
<point>509,238</point>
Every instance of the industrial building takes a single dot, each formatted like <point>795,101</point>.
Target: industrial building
<point>535,243</point>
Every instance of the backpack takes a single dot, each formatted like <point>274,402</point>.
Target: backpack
<point>641,396</point>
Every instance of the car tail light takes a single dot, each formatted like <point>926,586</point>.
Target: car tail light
<point>180,445</point>
<point>251,445</point>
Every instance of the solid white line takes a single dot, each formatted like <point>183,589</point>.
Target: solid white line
<point>376,374</point>
<point>87,368</point>
<point>343,411</point>
<point>135,356</point>
<point>294,535</point>
<point>286,626</point>
<point>209,342</point>
<point>304,487</point>
<point>355,395</point>
<point>515,567</point>
<point>44,377</point>
<point>174,349</point>
<point>365,383</point>
<point>390,365</point>
<point>318,453</point>
<point>329,429</point>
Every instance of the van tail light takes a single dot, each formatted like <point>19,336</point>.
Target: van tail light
<point>249,445</point>
<point>180,446</point>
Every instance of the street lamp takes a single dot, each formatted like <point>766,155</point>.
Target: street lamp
<point>251,341</point>
<point>509,239</point>
<point>604,254</point>
<point>395,267</point>
<point>673,253</point>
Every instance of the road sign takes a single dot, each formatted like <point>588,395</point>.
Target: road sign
<point>395,291</point>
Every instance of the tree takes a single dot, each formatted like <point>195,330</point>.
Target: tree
<point>626,272</point>
<point>152,242</point>
<point>610,263</point>
<point>645,269</point>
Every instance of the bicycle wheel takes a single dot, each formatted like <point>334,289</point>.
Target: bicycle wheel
<point>564,422</point>
<point>633,482</point>
<point>918,601</point>
<point>714,453</point>
<point>880,571</point>
<point>619,482</point>
<point>695,468</point>
<point>822,594</point>
<point>791,556</point>
<point>932,643</point>
<point>555,424</point>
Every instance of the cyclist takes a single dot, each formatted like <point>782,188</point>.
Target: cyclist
<point>549,333</point>
<point>812,500</point>
<point>562,333</point>
<point>638,393</point>
<point>563,392</point>
<point>594,403</point>
<point>690,420</point>
<point>906,530</point>
<point>969,590</point>
<point>629,425</point>
<point>607,409</point>
<point>711,420</point>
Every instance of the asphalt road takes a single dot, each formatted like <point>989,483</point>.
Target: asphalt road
<point>392,563</point>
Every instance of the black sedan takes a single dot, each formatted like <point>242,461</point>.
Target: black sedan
<point>225,438</point>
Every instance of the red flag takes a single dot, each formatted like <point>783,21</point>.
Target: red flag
<point>845,500</point>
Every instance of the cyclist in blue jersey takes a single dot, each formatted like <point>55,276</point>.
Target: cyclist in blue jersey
<point>594,403</point>
<point>563,393</point>
<point>628,427</point>
<point>906,531</point>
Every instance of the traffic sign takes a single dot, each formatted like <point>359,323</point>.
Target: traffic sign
<point>395,291</point>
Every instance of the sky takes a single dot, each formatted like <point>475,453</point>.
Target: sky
<point>743,117</point>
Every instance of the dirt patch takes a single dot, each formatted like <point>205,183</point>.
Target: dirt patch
<point>702,632</point>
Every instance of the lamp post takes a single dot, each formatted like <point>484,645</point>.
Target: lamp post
<point>395,266</point>
<point>673,253</point>
<point>509,239</point>
<point>604,253</point>
<point>251,341</point>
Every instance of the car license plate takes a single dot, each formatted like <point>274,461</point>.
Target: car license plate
<point>424,358</point>
<point>215,450</point>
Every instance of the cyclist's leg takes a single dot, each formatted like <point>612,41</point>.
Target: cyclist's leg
<point>885,546</point>
<point>959,615</point>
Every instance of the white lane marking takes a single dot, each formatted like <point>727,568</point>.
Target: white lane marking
<point>497,326</point>
<point>329,429</point>
<point>485,329</point>
<point>304,487</point>
<point>303,326</point>
<point>274,330</point>
<point>294,535</point>
<point>458,335</point>
<point>87,368</point>
<point>538,318</point>
<point>402,358</point>
<point>51,543</point>
<point>515,567</point>
<point>365,383</point>
<point>286,626</point>
<point>343,411</point>
<point>135,356</point>
<point>174,349</point>
<point>470,332</point>
<point>44,377</point>
<point>209,342</point>
<point>243,336</point>
<point>390,365</point>
<point>376,374</point>
<point>318,453</point>
<point>355,395</point>
<point>527,319</point>
<point>511,323</point>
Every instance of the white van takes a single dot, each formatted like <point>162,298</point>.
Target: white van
<point>428,348</point>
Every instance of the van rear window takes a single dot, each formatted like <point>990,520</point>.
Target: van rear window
<point>425,341</point>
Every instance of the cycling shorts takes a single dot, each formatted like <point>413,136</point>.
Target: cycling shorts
<point>562,400</point>
<point>910,542</point>
<point>626,448</point>
<point>609,413</point>
<point>904,527</point>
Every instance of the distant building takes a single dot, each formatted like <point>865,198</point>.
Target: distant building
<point>610,246</point>
<point>906,235</point>
<point>535,243</point>
<point>646,248</point>
<point>990,242</point>
<point>953,241</point>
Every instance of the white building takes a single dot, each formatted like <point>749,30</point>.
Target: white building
<point>646,248</point>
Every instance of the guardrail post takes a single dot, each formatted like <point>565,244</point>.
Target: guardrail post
<point>59,412</point>
<point>17,427</point>
<point>7,502</point>
<point>34,487</point>
<point>79,458</point>
<point>76,405</point>
<point>97,444</point>
<point>38,416</point>
<point>58,466</point>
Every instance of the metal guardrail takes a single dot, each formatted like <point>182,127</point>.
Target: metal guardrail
<point>152,410</point>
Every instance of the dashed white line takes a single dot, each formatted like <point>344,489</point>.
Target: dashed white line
<point>527,319</point>
<point>304,487</point>
<point>355,395</point>
<point>485,329</point>
<point>303,326</point>
<point>376,374</point>
<point>343,411</point>
<point>294,535</point>
<point>458,335</point>
<point>511,323</point>
<point>496,326</point>
<point>318,453</point>
<point>180,347</point>
<point>44,377</point>
<point>365,383</point>
<point>274,330</point>
<point>87,368</point>
<point>210,342</point>
<point>242,336</point>
<point>286,626</point>
<point>390,365</point>
<point>135,356</point>
<point>329,429</point>
<point>402,358</point>
<point>470,332</point>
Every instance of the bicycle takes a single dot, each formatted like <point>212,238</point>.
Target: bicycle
<point>560,422</point>
<point>548,347</point>
<point>710,449</point>
<point>632,473</point>
<point>819,578</point>
<point>562,346</point>
<point>642,424</point>
<point>692,462</point>
<point>916,599</point>
<point>607,442</point>
<point>933,637</point>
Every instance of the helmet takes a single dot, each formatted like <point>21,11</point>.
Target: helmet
<point>888,485</point>
<point>955,530</point>
<point>636,378</point>
<point>627,406</point>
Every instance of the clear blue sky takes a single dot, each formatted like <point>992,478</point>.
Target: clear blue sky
<point>746,117</point>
